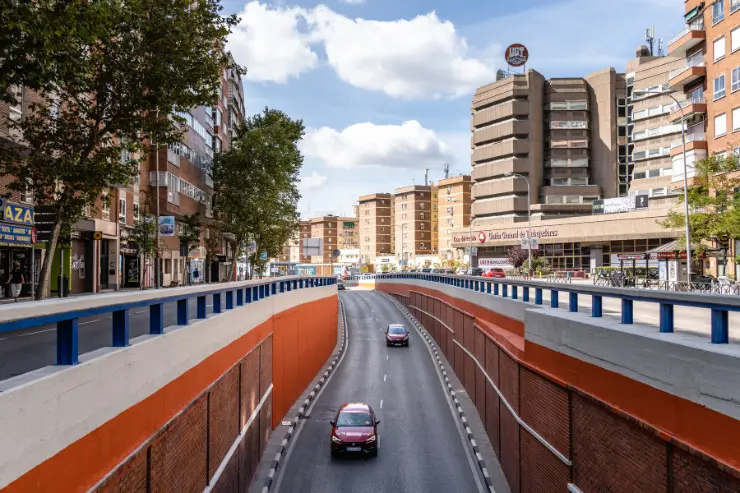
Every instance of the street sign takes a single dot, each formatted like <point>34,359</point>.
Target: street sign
<point>34,235</point>
<point>534,242</point>
<point>474,251</point>
<point>98,235</point>
<point>335,253</point>
<point>263,255</point>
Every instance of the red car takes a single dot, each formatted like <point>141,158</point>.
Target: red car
<point>396,335</point>
<point>354,430</point>
<point>497,273</point>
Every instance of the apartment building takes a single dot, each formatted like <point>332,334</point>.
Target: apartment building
<point>453,207</point>
<point>569,124</point>
<point>654,125</point>
<point>413,222</point>
<point>326,228</point>
<point>304,231</point>
<point>375,226</point>
<point>435,220</point>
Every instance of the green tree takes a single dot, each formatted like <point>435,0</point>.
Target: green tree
<point>714,204</point>
<point>540,266</point>
<point>108,73</point>
<point>189,235</point>
<point>256,184</point>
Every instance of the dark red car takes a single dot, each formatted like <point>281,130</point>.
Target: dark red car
<point>396,335</point>
<point>354,430</point>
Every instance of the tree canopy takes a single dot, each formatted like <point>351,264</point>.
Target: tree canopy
<point>107,73</point>
<point>714,202</point>
<point>256,183</point>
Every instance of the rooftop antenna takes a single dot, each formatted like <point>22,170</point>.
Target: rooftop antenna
<point>650,38</point>
<point>447,170</point>
<point>660,47</point>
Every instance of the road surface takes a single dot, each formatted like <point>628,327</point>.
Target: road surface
<point>25,350</point>
<point>421,447</point>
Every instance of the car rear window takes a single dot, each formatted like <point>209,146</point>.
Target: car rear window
<point>356,418</point>
<point>497,270</point>
<point>397,330</point>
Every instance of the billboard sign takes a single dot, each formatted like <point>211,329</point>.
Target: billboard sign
<point>313,246</point>
<point>620,204</point>
<point>517,55</point>
<point>15,235</point>
<point>166,225</point>
<point>16,213</point>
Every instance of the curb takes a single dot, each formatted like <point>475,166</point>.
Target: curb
<point>460,413</point>
<point>306,402</point>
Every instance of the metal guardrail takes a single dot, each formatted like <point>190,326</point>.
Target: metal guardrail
<point>719,306</point>
<point>66,312</point>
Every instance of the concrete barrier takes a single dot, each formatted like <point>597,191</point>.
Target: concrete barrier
<point>573,401</point>
<point>175,408</point>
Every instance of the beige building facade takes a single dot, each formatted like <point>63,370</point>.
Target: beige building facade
<point>375,226</point>
<point>413,223</point>
<point>524,121</point>
<point>453,209</point>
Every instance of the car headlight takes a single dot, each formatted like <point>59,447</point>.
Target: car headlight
<point>336,439</point>
<point>370,440</point>
<point>406,336</point>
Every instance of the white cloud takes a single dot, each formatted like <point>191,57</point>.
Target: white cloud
<point>312,181</point>
<point>268,42</point>
<point>405,146</point>
<point>423,57</point>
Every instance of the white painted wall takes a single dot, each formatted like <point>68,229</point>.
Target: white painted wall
<point>44,411</point>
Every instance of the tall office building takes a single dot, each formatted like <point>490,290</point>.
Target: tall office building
<point>453,210</point>
<point>375,226</point>
<point>523,121</point>
<point>413,222</point>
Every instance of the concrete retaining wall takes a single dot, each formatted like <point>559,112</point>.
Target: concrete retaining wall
<point>72,426</point>
<point>568,399</point>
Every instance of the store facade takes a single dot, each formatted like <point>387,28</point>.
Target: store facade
<point>573,243</point>
<point>17,221</point>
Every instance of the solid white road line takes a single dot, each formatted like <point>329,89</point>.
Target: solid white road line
<point>37,332</point>
<point>90,321</point>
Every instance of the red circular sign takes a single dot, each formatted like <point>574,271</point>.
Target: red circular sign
<point>34,235</point>
<point>516,55</point>
<point>482,237</point>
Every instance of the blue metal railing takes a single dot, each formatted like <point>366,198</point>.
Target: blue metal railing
<point>718,306</point>
<point>66,316</point>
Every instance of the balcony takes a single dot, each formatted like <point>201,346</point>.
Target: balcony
<point>506,205</point>
<point>568,144</point>
<point>693,108</point>
<point>500,131</point>
<point>690,36</point>
<point>695,140</point>
<point>498,168</point>
<point>503,111</point>
<point>566,163</point>
<point>691,72</point>
<point>500,149</point>
<point>499,187</point>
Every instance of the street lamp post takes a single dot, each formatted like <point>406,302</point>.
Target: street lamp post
<point>529,220</point>
<point>687,227</point>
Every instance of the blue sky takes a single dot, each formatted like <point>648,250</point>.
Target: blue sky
<point>384,86</point>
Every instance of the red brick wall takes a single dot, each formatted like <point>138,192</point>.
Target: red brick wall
<point>609,451</point>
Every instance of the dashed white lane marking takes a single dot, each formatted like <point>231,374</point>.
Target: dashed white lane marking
<point>384,377</point>
<point>90,321</point>
<point>381,403</point>
<point>386,357</point>
<point>37,332</point>
<point>3,338</point>
<point>142,311</point>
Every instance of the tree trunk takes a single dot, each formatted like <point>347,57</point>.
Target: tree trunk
<point>234,255</point>
<point>51,247</point>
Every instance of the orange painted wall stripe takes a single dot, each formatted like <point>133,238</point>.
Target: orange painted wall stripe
<point>83,463</point>
<point>713,433</point>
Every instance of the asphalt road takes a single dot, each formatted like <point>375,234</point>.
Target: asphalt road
<point>25,350</point>
<point>420,445</point>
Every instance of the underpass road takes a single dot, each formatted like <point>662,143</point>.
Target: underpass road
<point>421,447</point>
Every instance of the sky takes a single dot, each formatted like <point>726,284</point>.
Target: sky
<point>384,87</point>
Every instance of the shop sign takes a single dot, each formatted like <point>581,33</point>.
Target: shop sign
<point>503,263</point>
<point>166,226</point>
<point>523,233</point>
<point>619,204</point>
<point>14,234</point>
<point>465,239</point>
<point>517,55</point>
<point>633,256</point>
<point>16,213</point>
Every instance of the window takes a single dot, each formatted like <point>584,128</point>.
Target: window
<point>27,193</point>
<point>122,211</point>
<point>16,110</point>
<point>719,48</point>
<point>719,87</point>
<point>735,77</point>
<point>105,209</point>
<point>736,119</point>
<point>734,6</point>
<point>718,11</point>
<point>720,125</point>
<point>136,211</point>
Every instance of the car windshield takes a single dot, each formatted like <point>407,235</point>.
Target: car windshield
<point>354,419</point>
<point>397,330</point>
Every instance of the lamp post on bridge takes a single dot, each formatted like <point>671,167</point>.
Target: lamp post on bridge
<point>529,220</point>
